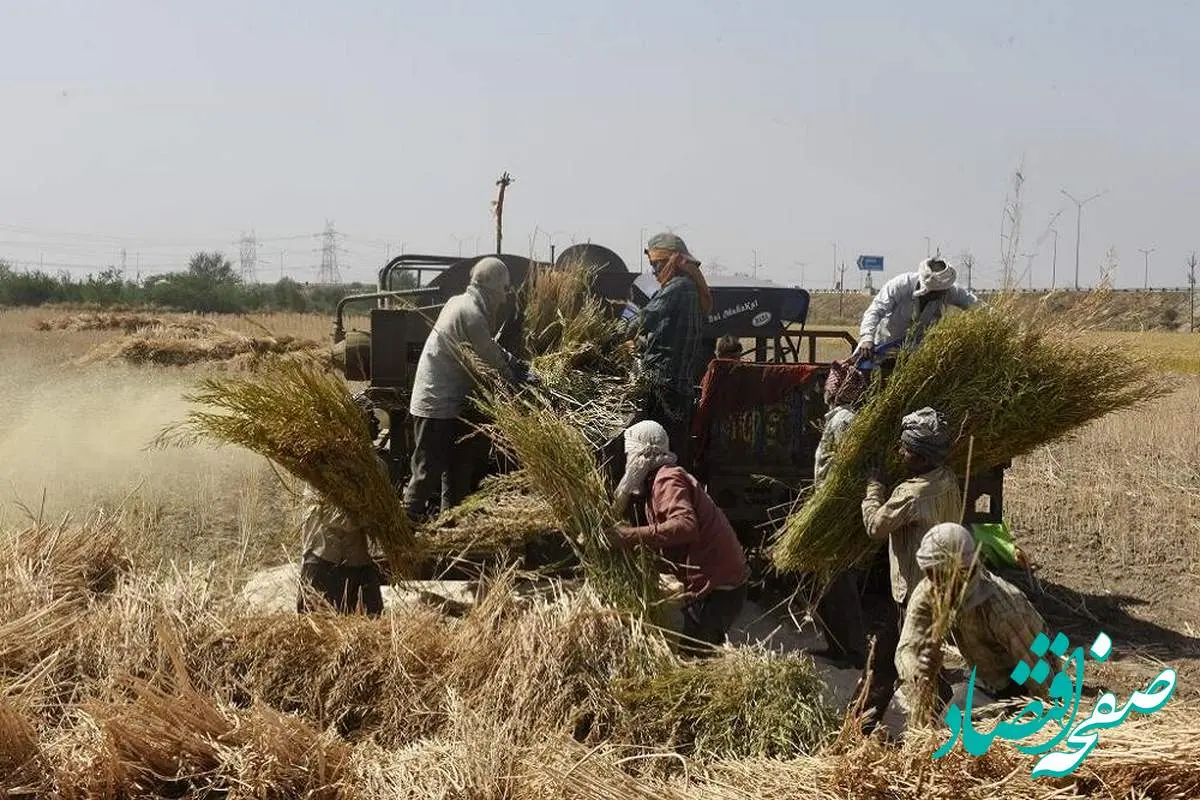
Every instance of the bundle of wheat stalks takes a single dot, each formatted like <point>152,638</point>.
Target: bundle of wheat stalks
<point>1008,384</point>
<point>302,418</point>
<point>505,513</point>
<point>578,348</point>
<point>561,466</point>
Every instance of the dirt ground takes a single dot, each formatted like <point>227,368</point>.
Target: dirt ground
<point>1111,517</point>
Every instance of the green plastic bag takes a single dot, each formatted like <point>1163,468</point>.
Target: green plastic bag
<point>998,548</point>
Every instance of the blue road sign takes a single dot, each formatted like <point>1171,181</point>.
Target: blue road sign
<point>870,263</point>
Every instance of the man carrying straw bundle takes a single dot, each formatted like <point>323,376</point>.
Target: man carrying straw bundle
<point>990,621</point>
<point>668,343</point>
<point>908,305</point>
<point>929,496</point>
<point>687,528</point>
<point>337,562</point>
<point>839,610</point>
<point>443,381</point>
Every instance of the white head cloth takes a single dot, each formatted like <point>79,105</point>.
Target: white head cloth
<point>929,280</point>
<point>646,449</point>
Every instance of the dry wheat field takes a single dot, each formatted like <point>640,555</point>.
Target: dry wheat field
<point>133,664</point>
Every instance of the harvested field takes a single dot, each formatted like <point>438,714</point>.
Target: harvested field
<point>129,666</point>
<point>181,343</point>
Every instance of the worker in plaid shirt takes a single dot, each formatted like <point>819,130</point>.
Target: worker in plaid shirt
<point>668,339</point>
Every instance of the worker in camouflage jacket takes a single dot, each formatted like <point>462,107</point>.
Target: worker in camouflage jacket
<point>467,322</point>
<point>337,564</point>
<point>668,342</point>
<point>930,495</point>
<point>991,622</point>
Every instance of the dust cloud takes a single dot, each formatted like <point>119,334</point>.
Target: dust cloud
<point>80,435</point>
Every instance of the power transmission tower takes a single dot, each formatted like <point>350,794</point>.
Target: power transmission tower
<point>329,271</point>
<point>248,262</point>
<point>968,262</point>
<point>1010,230</point>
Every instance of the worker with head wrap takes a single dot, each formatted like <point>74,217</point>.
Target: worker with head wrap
<point>443,380</point>
<point>908,304</point>
<point>839,609</point>
<point>686,527</point>
<point>989,620</point>
<point>668,344</point>
<point>928,496</point>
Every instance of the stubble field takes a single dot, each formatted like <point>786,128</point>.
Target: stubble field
<point>1111,519</point>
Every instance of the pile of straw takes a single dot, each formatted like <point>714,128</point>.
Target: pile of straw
<point>161,688</point>
<point>178,343</point>
<point>1007,384</point>
<point>504,514</point>
<point>303,419</point>
<point>578,348</point>
<point>127,321</point>
<point>741,705</point>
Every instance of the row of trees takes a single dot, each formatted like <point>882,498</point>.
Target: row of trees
<point>210,285</point>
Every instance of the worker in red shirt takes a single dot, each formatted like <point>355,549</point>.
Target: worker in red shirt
<point>688,529</point>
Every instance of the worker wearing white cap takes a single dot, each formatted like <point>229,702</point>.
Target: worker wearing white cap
<point>909,304</point>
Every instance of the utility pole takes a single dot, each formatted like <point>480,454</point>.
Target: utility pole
<point>927,248</point>
<point>754,267</point>
<point>282,253</point>
<point>329,271</point>
<point>801,265</point>
<point>1054,260</point>
<point>122,260</point>
<point>836,285</point>
<point>1079,204</point>
<point>1146,277</point>
<point>842,289</point>
<point>1192,262</point>
<point>504,182</point>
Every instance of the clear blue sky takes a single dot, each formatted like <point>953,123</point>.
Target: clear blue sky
<point>777,126</point>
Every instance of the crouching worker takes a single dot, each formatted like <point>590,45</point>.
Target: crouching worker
<point>687,527</point>
<point>337,562</point>
<point>990,621</point>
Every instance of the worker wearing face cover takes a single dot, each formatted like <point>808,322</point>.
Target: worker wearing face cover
<point>907,305</point>
<point>990,621</point>
<point>668,344</point>
<point>687,528</point>
<point>467,322</point>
